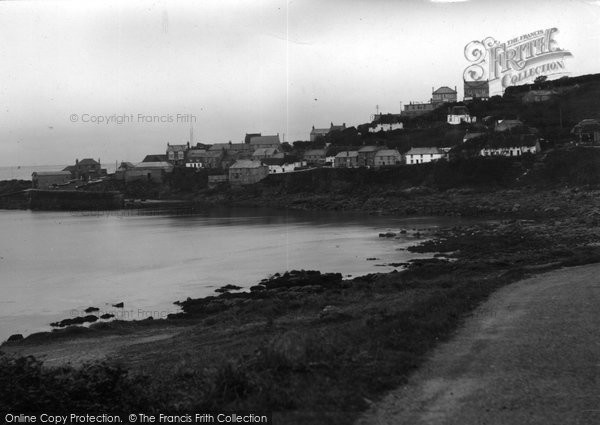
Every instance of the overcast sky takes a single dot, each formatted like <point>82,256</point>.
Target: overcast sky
<point>270,66</point>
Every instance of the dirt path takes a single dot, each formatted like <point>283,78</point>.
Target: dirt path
<point>530,355</point>
<point>77,350</point>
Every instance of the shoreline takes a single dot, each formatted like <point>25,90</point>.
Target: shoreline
<point>296,343</point>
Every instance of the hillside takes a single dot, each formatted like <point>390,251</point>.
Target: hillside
<point>575,99</point>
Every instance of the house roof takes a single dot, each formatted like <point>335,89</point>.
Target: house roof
<point>176,148</point>
<point>126,165</point>
<point>148,165</point>
<point>524,140</point>
<point>250,136</point>
<point>444,90</point>
<point>196,153</point>
<point>541,92</point>
<point>319,130</point>
<point>230,147</point>
<point>273,161</point>
<point>264,140</point>
<point>246,163</point>
<point>201,153</point>
<point>88,161</point>
<point>476,84</point>
<point>347,154</point>
<point>474,135</point>
<point>368,149</point>
<point>586,125</point>
<point>155,158</point>
<point>265,151</point>
<point>51,173</point>
<point>70,168</point>
<point>508,124</point>
<point>387,118</point>
<point>337,127</point>
<point>425,151</point>
<point>387,152</point>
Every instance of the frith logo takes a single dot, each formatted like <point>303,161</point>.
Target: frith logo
<point>517,61</point>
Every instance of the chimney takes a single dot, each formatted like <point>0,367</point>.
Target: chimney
<point>76,161</point>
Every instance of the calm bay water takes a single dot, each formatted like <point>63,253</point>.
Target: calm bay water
<point>53,265</point>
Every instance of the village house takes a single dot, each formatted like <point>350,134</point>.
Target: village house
<point>315,156</point>
<point>386,122</point>
<point>264,153</point>
<point>587,131</point>
<point>346,159</point>
<point>508,125</point>
<point>458,115</point>
<point>201,158</point>
<point>386,127</point>
<point>286,168</point>
<point>513,147</point>
<point>443,95</point>
<point>176,153</point>
<point>49,179</point>
<point>387,157</point>
<point>149,171</point>
<point>317,133</point>
<point>536,96</point>
<point>476,90</point>
<point>330,161</point>
<point>258,142</point>
<point>423,155</point>
<point>123,167</point>
<point>366,156</point>
<point>194,158</point>
<point>414,109</point>
<point>246,171</point>
<point>250,136</point>
<point>86,169</point>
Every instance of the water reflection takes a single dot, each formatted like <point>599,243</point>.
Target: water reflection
<point>56,262</point>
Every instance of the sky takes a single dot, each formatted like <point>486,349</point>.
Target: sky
<point>119,80</point>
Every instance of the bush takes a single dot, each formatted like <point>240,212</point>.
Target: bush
<point>27,386</point>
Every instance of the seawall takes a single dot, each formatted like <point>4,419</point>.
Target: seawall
<point>36,199</point>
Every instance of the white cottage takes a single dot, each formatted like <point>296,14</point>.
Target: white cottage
<point>423,155</point>
<point>511,149</point>
<point>459,114</point>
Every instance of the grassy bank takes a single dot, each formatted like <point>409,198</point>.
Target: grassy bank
<point>313,348</point>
